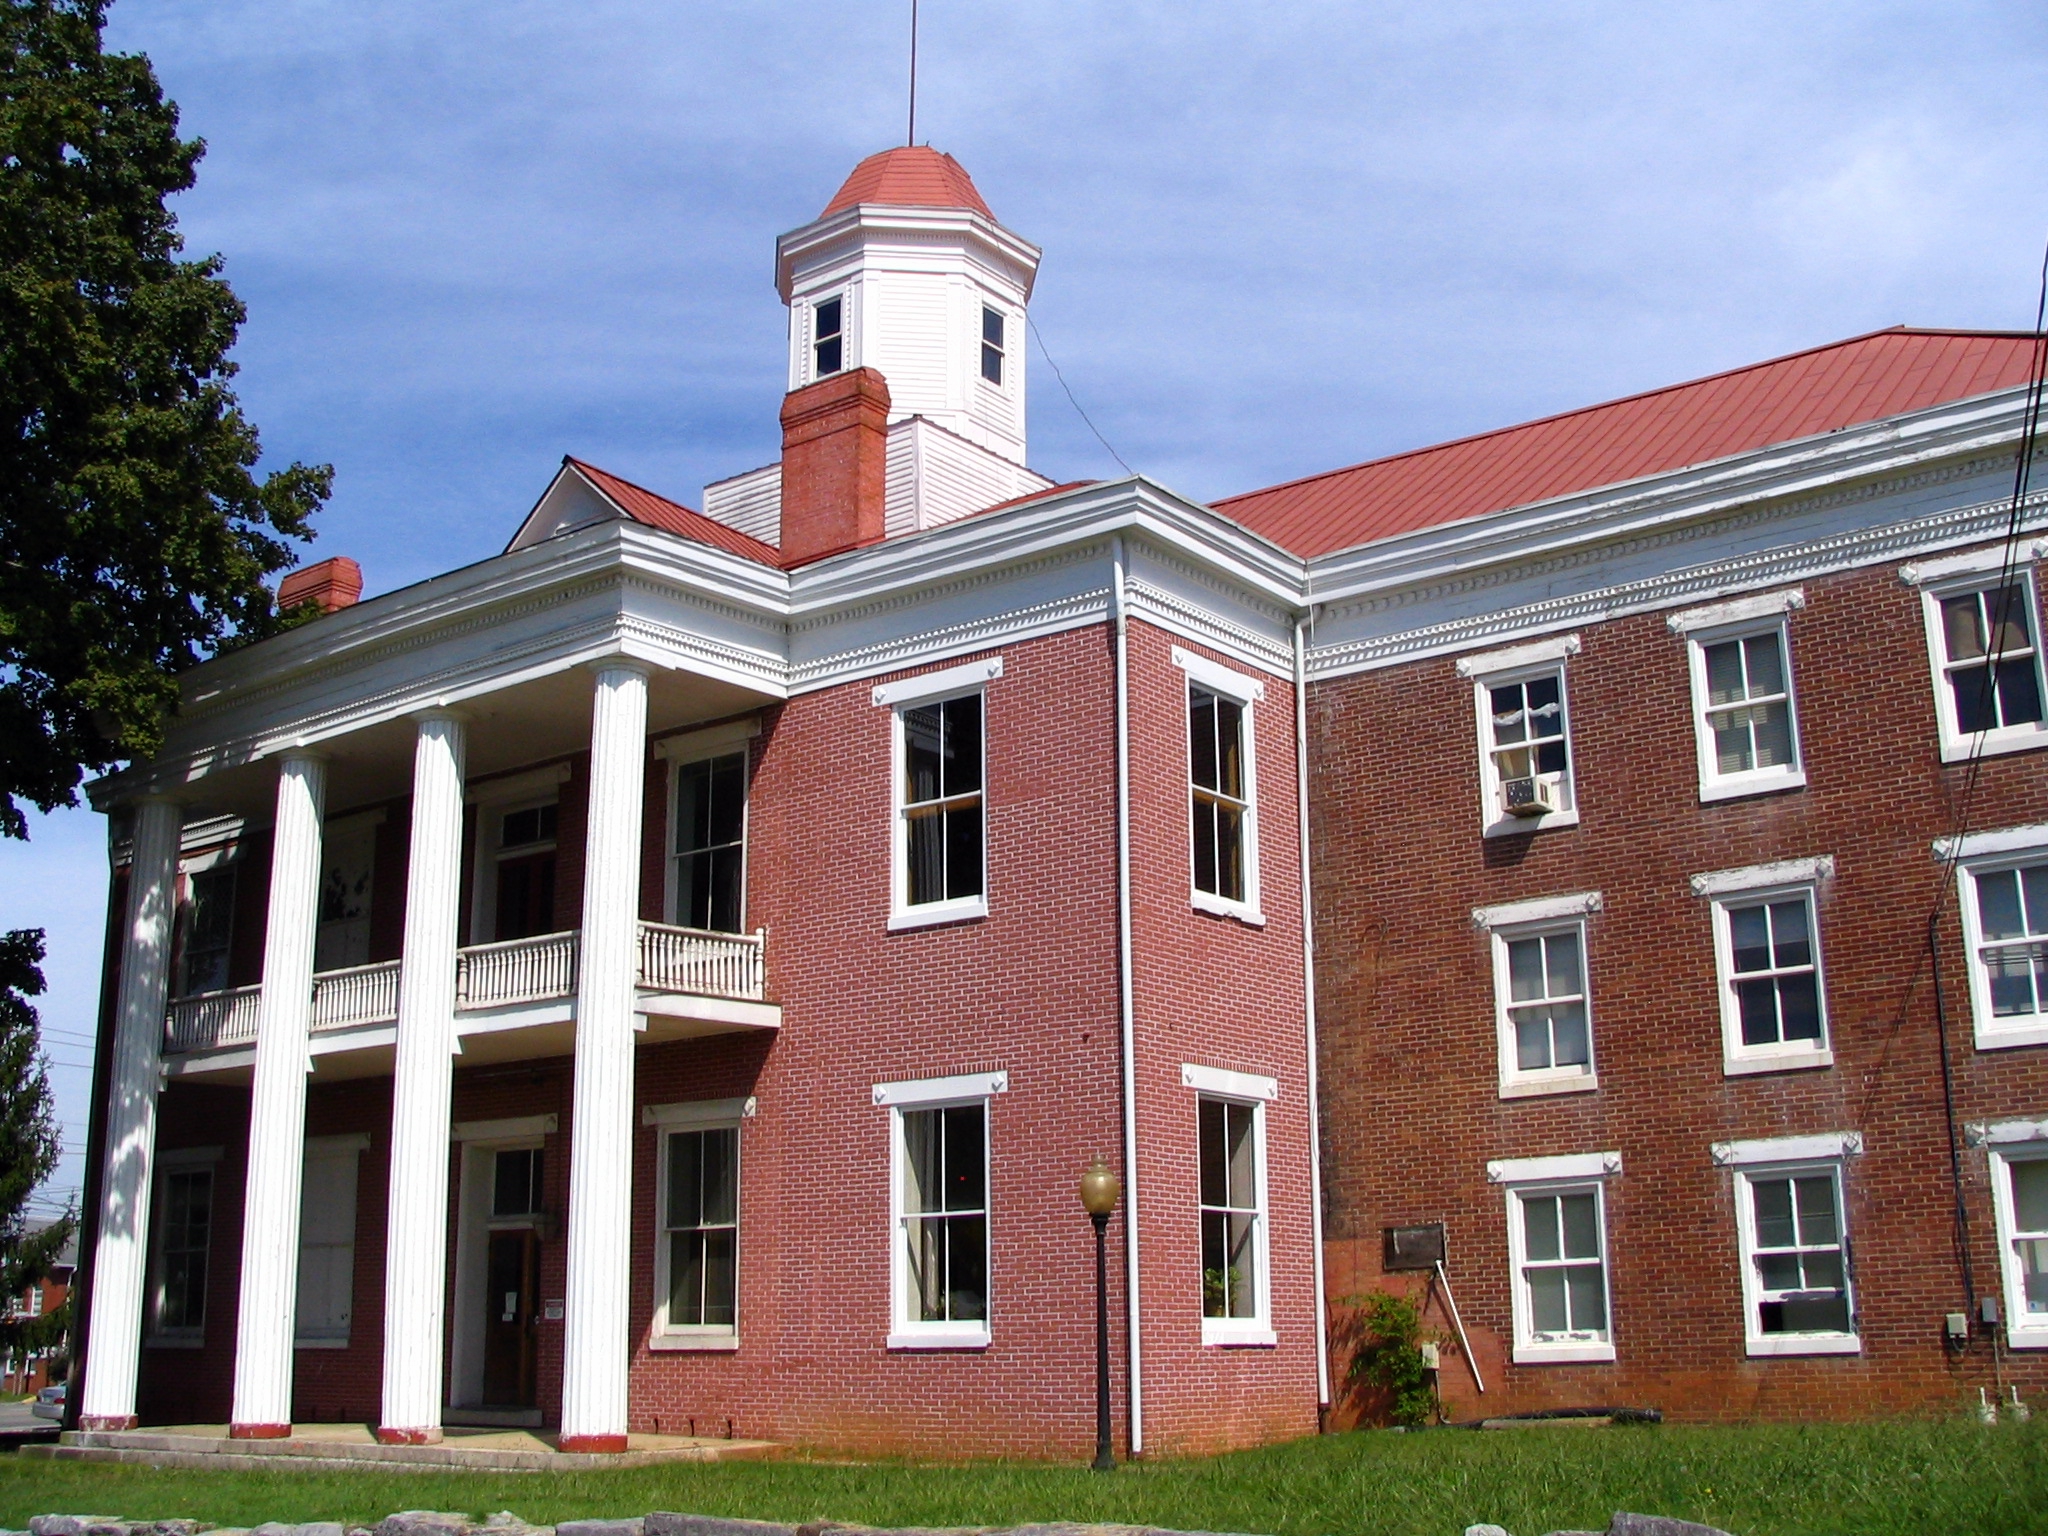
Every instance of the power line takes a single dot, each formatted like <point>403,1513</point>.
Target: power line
<point>1076,404</point>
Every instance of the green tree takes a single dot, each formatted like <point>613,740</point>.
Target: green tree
<point>1386,1336</point>
<point>134,535</point>
<point>29,1147</point>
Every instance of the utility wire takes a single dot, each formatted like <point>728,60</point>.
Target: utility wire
<point>1076,404</point>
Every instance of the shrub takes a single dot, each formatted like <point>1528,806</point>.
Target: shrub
<point>1387,1339</point>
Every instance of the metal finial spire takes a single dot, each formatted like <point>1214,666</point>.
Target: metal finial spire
<point>912,137</point>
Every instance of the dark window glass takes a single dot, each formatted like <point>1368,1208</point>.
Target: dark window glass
<point>703,1227</point>
<point>945,1212</point>
<point>209,929</point>
<point>516,1188</point>
<point>711,807</point>
<point>1994,671</point>
<point>991,345</point>
<point>535,824</point>
<point>942,800</point>
<point>187,1217</point>
<point>1216,766</point>
<point>828,352</point>
<point>1230,1208</point>
<point>1802,1281</point>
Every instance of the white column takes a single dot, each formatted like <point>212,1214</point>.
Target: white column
<point>596,1343</point>
<point>416,1236</point>
<point>265,1322</point>
<point>120,1267</point>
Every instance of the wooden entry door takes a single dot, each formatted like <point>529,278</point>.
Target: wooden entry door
<point>511,1318</point>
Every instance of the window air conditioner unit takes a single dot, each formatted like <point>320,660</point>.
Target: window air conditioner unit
<point>1529,797</point>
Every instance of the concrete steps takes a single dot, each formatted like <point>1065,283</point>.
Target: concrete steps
<point>339,1448</point>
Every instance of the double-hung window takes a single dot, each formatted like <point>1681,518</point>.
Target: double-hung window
<point>1767,955</point>
<point>1222,796</point>
<point>2018,1151</point>
<point>209,928</point>
<point>1541,993</point>
<point>1557,1252</point>
<point>184,1227</point>
<point>1793,1233</point>
<point>710,843</point>
<point>940,776</point>
<point>1984,644</point>
<point>697,1209</point>
<point>828,337</point>
<point>1230,1146</point>
<point>1744,719</point>
<point>2004,895</point>
<point>992,344</point>
<point>1525,754</point>
<point>939,1150</point>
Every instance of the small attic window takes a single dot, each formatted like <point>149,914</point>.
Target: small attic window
<point>991,344</point>
<point>828,337</point>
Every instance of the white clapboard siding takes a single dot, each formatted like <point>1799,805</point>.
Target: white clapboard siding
<point>909,338</point>
<point>752,503</point>
<point>935,476</point>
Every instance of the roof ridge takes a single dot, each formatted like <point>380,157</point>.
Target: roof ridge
<point>1601,405</point>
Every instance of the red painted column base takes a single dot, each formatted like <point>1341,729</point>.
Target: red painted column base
<point>103,1423</point>
<point>386,1435</point>
<point>259,1431</point>
<point>593,1445</point>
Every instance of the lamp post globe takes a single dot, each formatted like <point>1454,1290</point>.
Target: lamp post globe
<point>1100,1191</point>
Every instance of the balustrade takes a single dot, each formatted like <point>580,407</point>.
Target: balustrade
<point>209,1019</point>
<point>361,994</point>
<point>516,971</point>
<point>707,964</point>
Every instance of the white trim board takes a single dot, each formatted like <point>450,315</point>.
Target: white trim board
<point>693,1112</point>
<point>1539,909</point>
<point>933,685</point>
<point>1757,877</point>
<point>942,1090</point>
<point>1737,610</point>
<point>1227,1084</point>
<point>1827,1147</point>
<point>1536,1170</point>
<point>1977,845</point>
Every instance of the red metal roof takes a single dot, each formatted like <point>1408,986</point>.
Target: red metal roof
<point>643,506</point>
<point>912,176</point>
<point>1839,385</point>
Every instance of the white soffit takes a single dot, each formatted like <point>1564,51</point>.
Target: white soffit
<point>1541,909</point>
<point>1827,1147</point>
<point>932,685</point>
<point>1540,1170</point>
<point>1514,657</point>
<point>1738,610</point>
<point>943,1090</point>
<point>1756,877</point>
<point>1227,1084</point>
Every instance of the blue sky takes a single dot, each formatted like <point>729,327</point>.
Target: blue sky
<point>475,236</point>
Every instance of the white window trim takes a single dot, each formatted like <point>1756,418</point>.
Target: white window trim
<point>1008,349</point>
<point>1544,1081</point>
<point>357,1143</point>
<point>2030,1334</point>
<point>1715,785</point>
<point>907,693</point>
<point>667,1120</point>
<point>1541,660</point>
<point>1761,877</point>
<point>1755,1343</point>
<point>1737,1058</point>
<point>1828,1146</point>
<point>1956,747</point>
<point>1988,561</point>
<point>1977,845</point>
<point>809,365</point>
<point>1578,1174</point>
<point>1255,1332</point>
<point>1541,909</point>
<point>1517,658</point>
<point>1736,610</point>
<point>699,747</point>
<point>178,1160</point>
<point>494,802</point>
<point>1246,691</point>
<point>1990,1034</point>
<point>2004,1133</point>
<point>938,1093</point>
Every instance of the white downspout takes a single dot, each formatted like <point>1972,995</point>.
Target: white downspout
<point>1136,1396</point>
<point>1308,992</point>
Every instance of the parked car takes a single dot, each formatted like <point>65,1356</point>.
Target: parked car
<point>49,1402</point>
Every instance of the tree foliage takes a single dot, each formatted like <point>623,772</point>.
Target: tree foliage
<point>29,1147</point>
<point>134,535</point>
<point>1386,1335</point>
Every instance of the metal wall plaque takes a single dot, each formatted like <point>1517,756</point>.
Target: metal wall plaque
<point>1413,1247</point>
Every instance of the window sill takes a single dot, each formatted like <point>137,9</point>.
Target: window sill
<point>961,1339</point>
<point>1563,1354</point>
<point>689,1343</point>
<point>2012,1039</point>
<point>1994,744</point>
<point>1222,906</point>
<point>1520,826</point>
<point>938,912</point>
<point>1805,1344</point>
<point>319,1343</point>
<point>1540,1088</point>
<point>1747,788</point>
<point>1788,1061</point>
<point>2031,1337</point>
<point>173,1342</point>
<point>1217,1335</point>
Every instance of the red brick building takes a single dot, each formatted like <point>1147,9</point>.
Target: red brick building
<point>669,978</point>
<point>29,1371</point>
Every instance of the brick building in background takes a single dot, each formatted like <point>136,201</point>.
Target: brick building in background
<point>719,940</point>
<point>30,1371</point>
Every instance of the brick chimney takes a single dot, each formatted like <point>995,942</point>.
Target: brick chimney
<point>834,448</point>
<point>333,584</point>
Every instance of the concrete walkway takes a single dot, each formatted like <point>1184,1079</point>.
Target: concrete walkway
<point>334,1447</point>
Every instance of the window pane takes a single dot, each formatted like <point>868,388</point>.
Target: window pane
<point>2006,615</point>
<point>991,364</point>
<point>1237,1119</point>
<point>1976,703</point>
<point>516,1185</point>
<point>721,1175</point>
<point>2019,691</point>
<point>1230,748</point>
<point>1202,737</point>
<point>925,858</point>
<point>1778,1271</point>
<point>1547,1312</point>
<point>2029,1194</point>
<point>2014,973</point>
<point>965,1158</point>
<point>1773,1203</point>
<point>721,1279</point>
<point>1799,1007</point>
<point>1532,1039</point>
<point>1561,956</point>
<point>967,1268</point>
<point>1724,673</point>
<point>827,322</point>
<point>2034,895</point>
<point>920,1160</point>
<point>963,852</point>
<point>922,757</point>
<point>2033,1255</point>
<point>1822,1271</point>
<point>685,1181</point>
<point>1545,710</point>
<point>1229,853</point>
<point>1766,665</point>
<point>1570,1047</point>
<point>1998,904</point>
<point>963,744</point>
<point>1525,969</point>
<point>1757,1001</point>
<point>1540,1237</point>
<point>1206,876</point>
<point>1789,937</point>
<point>1509,726</point>
<point>1817,1220</point>
<point>1749,934</point>
<point>1734,745</point>
<point>1215,1157</point>
<point>1772,725</point>
<point>1962,626</point>
<point>1588,1297</point>
<point>991,326</point>
<point>1581,1218</point>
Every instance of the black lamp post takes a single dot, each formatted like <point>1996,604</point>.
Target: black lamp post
<point>1099,1191</point>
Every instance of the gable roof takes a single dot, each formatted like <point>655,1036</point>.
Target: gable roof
<point>643,506</point>
<point>909,176</point>
<point>1804,394</point>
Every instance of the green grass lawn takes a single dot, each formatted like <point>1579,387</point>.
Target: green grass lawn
<point>1917,1479</point>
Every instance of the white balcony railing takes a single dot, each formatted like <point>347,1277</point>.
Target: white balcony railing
<point>706,964</point>
<point>535,970</point>
<point>516,971</point>
<point>209,1019</point>
<point>361,994</point>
